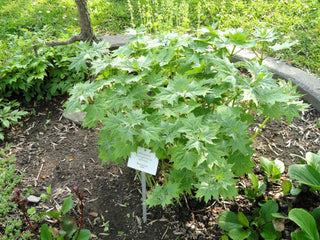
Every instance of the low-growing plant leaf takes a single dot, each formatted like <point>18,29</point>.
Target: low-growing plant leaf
<point>268,209</point>
<point>305,174</point>
<point>316,215</point>
<point>269,233</point>
<point>243,220</point>
<point>295,191</point>
<point>228,221</point>
<point>239,234</point>
<point>67,205</point>
<point>286,186</point>
<point>69,225</point>
<point>266,165</point>
<point>313,160</point>
<point>45,233</point>
<point>83,235</point>
<point>54,213</point>
<point>306,222</point>
<point>255,181</point>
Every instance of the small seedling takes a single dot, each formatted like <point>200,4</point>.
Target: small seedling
<point>257,190</point>
<point>259,225</point>
<point>273,169</point>
<point>69,228</point>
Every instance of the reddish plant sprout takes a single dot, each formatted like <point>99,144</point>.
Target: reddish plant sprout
<point>22,203</point>
<point>81,197</point>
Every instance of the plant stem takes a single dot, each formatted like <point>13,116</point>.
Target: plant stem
<point>261,126</point>
<point>232,52</point>
<point>81,218</point>
<point>28,221</point>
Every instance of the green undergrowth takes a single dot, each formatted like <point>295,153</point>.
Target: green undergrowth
<point>11,225</point>
<point>296,19</point>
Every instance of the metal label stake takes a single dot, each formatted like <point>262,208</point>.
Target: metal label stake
<point>144,197</point>
<point>146,162</point>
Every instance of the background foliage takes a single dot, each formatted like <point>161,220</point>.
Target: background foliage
<point>296,19</point>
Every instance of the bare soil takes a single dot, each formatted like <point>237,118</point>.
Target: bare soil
<point>53,150</point>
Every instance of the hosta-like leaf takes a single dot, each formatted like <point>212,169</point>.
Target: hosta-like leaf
<point>229,221</point>
<point>306,222</point>
<point>268,209</point>
<point>305,174</point>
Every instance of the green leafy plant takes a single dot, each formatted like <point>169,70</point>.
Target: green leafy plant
<point>257,190</point>
<point>69,229</point>
<point>306,222</point>
<point>309,173</point>
<point>239,227</point>
<point>34,71</point>
<point>273,169</point>
<point>266,38</point>
<point>9,180</point>
<point>179,96</point>
<point>9,115</point>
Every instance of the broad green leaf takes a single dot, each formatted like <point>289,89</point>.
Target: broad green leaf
<point>286,186</point>
<point>316,215</point>
<point>255,181</point>
<point>215,155</point>
<point>295,191</point>
<point>305,174</point>
<point>268,209</point>
<point>69,225</point>
<point>184,177</point>
<point>148,132</point>
<point>239,233</point>
<point>54,213</point>
<point>240,38</point>
<point>81,94</point>
<point>313,160</point>
<point>269,233</point>
<point>83,235</point>
<point>306,222</point>
<point>266,165</point>
<point>243,220</point>
<point>45,233</point>
<point>67,205</point>
<point>229,221</point>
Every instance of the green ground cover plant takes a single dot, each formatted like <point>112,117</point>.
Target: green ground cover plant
<point>68,228</point>
<point>296,19</point>
<point>181,97</point>
<point>257,225</point>
<point>9,180</point>
<point>9,115</point>
<point>33,71</point>
<point>307,173</point>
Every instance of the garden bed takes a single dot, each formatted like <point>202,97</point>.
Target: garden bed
<point>51,150</point>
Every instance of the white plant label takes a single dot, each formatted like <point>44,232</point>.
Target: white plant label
<point>144,160</point>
